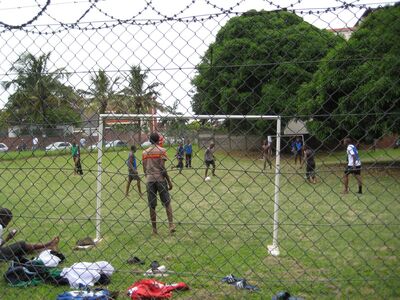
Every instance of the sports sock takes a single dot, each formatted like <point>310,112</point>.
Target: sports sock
<point>360,189</point>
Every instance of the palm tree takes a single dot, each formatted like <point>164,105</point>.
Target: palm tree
<point>40,97</point>
<point>101,92</point>
<point>139,97</point>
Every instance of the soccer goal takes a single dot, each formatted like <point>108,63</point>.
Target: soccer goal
<point>152,119</point>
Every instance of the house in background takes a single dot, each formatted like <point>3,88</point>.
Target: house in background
<point>345,32</point>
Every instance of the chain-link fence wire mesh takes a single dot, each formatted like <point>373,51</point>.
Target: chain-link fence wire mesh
<point>328,72</point>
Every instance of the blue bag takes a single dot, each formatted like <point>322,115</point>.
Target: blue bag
<point>98,294</point>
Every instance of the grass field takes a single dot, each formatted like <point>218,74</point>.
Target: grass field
<point>332,246</point>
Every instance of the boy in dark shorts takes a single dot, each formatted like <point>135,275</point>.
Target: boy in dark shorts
<point>158,181</point>
<point>297,148</point>
<point>310,164</point>
<point>266,152</point>
<point>180,152</point>
<point>76,156</point>
<point>132,172</point>
<point>18,249</point>
<point>353,166</point>
<point>209,159</point>
<point>188,153</point>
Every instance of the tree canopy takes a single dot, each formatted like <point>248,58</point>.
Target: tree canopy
<point>101,92</point>
<point>139,97</point>
<point>257,63</point>
<point>356,89</point>
<point>40,97</point>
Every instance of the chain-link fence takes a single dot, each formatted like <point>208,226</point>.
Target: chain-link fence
<point>275,163</point>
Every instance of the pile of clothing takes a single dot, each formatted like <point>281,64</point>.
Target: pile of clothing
<point>43,269</point>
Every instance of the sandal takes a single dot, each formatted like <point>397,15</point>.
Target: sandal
<point>135,260</point>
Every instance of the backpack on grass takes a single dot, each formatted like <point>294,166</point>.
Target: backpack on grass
<point>31,273</point>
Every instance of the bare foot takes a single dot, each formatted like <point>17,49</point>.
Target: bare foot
<point>155,233</point>
<point>54,243</point>
<point>172,229</point>
<point>345,192</point>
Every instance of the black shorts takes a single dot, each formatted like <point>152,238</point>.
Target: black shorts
<point>297,153</point>
<point>133,175</point>
<point>162,189</point>
<point>353,170</point>
<point>13,251</point>
<point>180,163</point>
<point>210,162</point>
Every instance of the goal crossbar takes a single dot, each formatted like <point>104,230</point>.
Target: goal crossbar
<point>189,116</point>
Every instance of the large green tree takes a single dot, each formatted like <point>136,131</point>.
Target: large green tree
<point>257,63</point>
<point>40,97</point>
<point>356,90</point>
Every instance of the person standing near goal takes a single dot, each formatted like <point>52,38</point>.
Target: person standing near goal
<point>353,166</point>
<point>180,152</point>
<point>209,159</point>
<point>297,149</point>
<point>132,172</point>
<point>266,152</point>
<point>76,156</point>
<point>309,159</point>
<point>158,181</point>
<point>188,153</point>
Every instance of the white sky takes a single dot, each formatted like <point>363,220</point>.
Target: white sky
<point>170,50</point>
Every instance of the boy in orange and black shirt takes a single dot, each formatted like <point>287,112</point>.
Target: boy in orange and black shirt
<point>153,160</point>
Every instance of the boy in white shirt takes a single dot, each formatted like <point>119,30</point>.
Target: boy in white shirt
<point>353,166</point>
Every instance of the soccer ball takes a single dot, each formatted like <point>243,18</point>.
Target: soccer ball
<point>208,178</point>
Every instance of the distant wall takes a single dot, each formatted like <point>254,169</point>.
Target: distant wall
<point>231,142</point>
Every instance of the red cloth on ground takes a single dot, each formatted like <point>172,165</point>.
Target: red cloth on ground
<point>153,289</point>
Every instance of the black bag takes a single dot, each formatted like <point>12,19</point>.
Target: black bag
<point>19,272</point>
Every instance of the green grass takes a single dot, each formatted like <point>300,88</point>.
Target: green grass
<point>332,246</point>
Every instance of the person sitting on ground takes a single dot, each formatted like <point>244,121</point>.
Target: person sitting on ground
<point>21,248</point>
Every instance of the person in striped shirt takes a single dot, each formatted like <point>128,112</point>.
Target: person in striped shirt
<point>158,181</point>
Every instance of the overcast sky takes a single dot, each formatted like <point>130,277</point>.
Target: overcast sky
<point>170,51</point>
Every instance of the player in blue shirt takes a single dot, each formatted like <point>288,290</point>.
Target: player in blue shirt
<point>132,172</point>
<point>188,153</point>
<point>297,149</point>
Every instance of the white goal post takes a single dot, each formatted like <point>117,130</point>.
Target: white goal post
<point>273,249</point>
